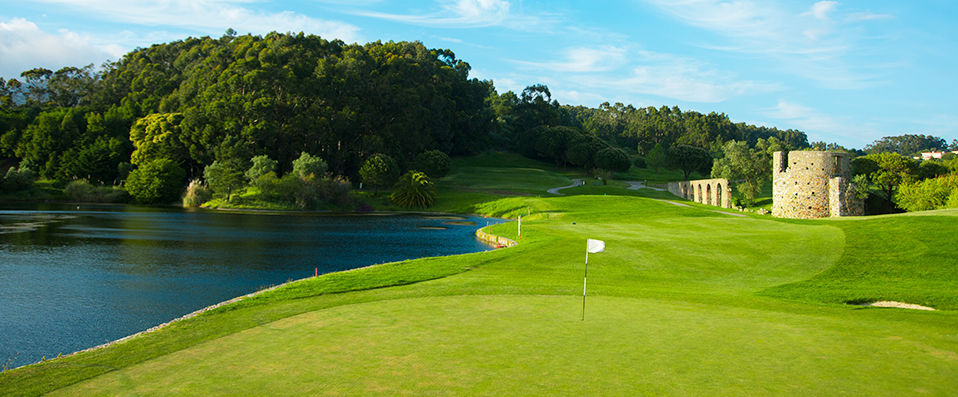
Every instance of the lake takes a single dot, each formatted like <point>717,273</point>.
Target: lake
<point>73,279</point>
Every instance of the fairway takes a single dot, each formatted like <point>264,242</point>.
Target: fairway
<point>536,344</point>
<point>685,300</point>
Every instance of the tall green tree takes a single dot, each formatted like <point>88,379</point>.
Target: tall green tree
<point>689,159</point>
<point>892,169</point>
<point>743,166</point>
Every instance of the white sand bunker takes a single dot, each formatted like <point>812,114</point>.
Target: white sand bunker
<point>900,305</point>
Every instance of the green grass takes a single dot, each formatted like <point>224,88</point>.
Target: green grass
<point>684,301</point>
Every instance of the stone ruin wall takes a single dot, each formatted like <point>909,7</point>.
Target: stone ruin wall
<point>706,191</point>
<point>813,184</point>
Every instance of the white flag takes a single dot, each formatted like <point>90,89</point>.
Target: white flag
<point>593,246</point>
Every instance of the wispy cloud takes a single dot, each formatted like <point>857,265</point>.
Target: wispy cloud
<point>622,72</point>
<point>819,125</point>
<point>24,46</point>
<point>583,60</point>
<point>821,9</point>
<point>813,43</point>
<point>210,16</point>
<point>464,14</point>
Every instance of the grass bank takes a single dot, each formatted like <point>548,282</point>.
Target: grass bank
<point>684,300</point>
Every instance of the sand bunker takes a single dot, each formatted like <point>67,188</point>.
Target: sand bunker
<point>899,305</point>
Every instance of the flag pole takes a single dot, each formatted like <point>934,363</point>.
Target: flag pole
<point>585,277</point>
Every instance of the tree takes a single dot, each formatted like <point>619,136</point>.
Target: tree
<point>907,144</point>
<point>892,170</point>
<point>689,159</point>
<point>224,176</point>
<point>656,157</point>
<point>931,169</point>
<point>156,181</point>
<point>414,189</point>
<point>612,159</point>
<point>261,165</point>
<point>379,170</point>
<point>308,164</point>
<point>433,162</point>
<point>743,166</point>
<point>159,136</point>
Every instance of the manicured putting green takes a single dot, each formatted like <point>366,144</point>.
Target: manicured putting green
<point>523,345</point>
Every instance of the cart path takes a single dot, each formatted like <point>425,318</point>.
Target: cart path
<point>575,182</point>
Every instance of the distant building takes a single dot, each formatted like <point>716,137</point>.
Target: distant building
<point>934,154</point>
<point>813,184</point>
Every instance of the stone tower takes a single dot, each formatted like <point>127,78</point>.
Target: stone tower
<point>813,184</point>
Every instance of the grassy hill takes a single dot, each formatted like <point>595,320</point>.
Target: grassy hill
<point>685,300</point>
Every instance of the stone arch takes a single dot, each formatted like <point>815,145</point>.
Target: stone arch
<point>718,194</point>
<point>698,193</point>
<point>708,194</point>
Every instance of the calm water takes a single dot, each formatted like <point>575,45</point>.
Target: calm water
<point>74,279</point>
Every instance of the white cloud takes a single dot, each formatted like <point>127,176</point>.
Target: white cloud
<point>813,43</point>
<point>867,16</point>
<point>210,16</point>
<point>24,46</point>
<point>821,9</point>
<point>584,60</point>
<point>465,14</point>
<point>622,72</point>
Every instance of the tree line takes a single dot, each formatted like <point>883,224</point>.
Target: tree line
<point>210,110</point>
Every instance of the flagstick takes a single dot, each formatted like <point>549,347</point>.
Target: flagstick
<point>585,277</point>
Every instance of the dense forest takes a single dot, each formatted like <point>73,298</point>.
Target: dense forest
<point>212,108</point>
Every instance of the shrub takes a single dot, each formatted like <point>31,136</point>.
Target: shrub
<point>17,179</point>
<point>196,194</point>
<point>926,195</point>
<point>83,191</point>
<point>414,189</point>
<point>335,191</point>
<point>433,162</point>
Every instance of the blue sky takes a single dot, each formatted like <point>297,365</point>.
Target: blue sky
<point>842,71</point>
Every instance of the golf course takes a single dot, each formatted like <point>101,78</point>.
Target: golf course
<point>686,299</point>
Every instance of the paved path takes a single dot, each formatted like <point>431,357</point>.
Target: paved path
<point>636,185</point>
<point>575,182</point>
<point>673,203</point>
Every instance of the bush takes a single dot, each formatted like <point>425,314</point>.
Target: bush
<point>157,181</point>
<point>83,191</point>
<point>433,162</point>
<point>309,192</point>
<point>414,189</point>
<point>17,179</point>
<point>196,194</point>
<point>926,195</point>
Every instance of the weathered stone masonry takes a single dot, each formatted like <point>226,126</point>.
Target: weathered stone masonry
<point>813,184</point>
<point>706,191</point>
